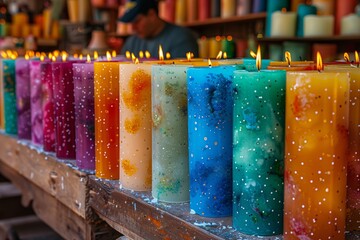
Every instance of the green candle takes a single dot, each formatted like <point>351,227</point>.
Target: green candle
<point>9,83</point>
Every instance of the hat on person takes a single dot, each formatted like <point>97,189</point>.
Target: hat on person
<point>135,7</point>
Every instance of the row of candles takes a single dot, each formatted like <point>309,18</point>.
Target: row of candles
<point>276,149</point>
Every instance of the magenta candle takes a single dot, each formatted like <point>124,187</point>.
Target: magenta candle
<point>63,90</point>
<point>84,115</point>
<point>36,103</point>
<point>23,98</point>
<point>47,107</point>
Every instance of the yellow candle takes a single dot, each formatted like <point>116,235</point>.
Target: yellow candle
<point>135,126</point>
<point>203,44</point>
<point>180,13</point>
<point>214,46</point>
<point>228,8</point>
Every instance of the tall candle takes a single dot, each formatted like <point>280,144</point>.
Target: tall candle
<point>10,112</point>
<point>2,117</point>
<point>317,108</point>
<point>318,26</point>
<point>228,8</point>
<point>106,93</point>
<point>63,90</point>
<point>23,98</point>
<point>135,126</point>
<point>210,139</point>
<point>192,10</point>
<point>302,11</point>
<point>36,103</point>
<point>170,162</point>
<point>204,9</point>
<point>283,24</point>
<point>214,8</point>
<point>47,107</point>
<point>84,115</point>
<point>180,12</point>
<point>273,6</point>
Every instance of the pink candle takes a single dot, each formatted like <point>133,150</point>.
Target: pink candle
<point>36,103</point>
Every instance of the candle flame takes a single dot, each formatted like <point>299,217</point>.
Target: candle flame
<point>56,53</point>
<point>168,55</point>
<point>81,57</point>
<point>136,61</point>
<point>319,63</point>
<point>3,54</point>
<point>88,58</point>
<point>288,58</point>
<point>147,54</point>
<point>108,56</point>
<point>346,57</point>
<point>229,38</point>
<point>96,55</point>
<point>283,10</point>
<point>219,55</point>
<point>357,61</point>
<point>133,57</point>
<point>50,55</point>
<point>27,57</point>
<point>63,57</point>
<point>113,53</point>
<point>258,58</point>
<point>225,55</point>
<point>188,56</point>
<point>127,54</point>
<point>252,54</point>
<point>161,53</point>
<point>141,54</point>
<point>42,58</point>
<point>53,58</point>
<point>209,61</point>
<point>37,54</point>
<point>76,55</point>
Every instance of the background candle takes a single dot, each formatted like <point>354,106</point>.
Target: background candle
<point>318,26</point>
<point>36,103</point>
<point>106,93</point>
<point>228,8</point>
<point>23,98</point>
<point>204,9</point>
<point>258,151</point>
<point>215,8</point>
<point>180,12</point>
<point>302,11</point>
<point>325,7</point>
<point>84,115</point>
<point>63,90</point>
<point>344,8</point>
<point>316,154</point>
<point>170,162</point>
<point>243,7</point>
<point>295,4</point>
<point>135,126</point>
<point>283,24</point>
<point>350,25</point>
<point>47,107</point>
<point>2,117</point>
<point>210,139</point>
<point>192,10</point>
<point>258,6</point>
<point>10,112</point>
<point>272,6</point>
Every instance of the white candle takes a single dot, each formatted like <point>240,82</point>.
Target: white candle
<point>350,25</point>
<point>318,26</point>
<point>283,24</point>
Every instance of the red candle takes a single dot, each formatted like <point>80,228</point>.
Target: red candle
<point>343,8</point>
<point>204,9</point>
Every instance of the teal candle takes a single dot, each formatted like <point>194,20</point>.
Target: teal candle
<point>250,64</point>
<point>302,11</point>
<point>10,110</point>
<point>272,6</point>
<point>258,151</point>
<point>300,51</point>
<point>170,163</point>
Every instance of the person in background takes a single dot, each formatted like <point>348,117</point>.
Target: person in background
<point>150,31</point>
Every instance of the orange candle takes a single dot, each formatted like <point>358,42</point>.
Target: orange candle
<point>106,100</point>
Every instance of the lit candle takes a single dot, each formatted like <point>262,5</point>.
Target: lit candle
<point>84,115</point>
<point>170,163</point>
<point>283,24</point>
<point>318,26</point>
<point>210,139</point>
<point>22,70</point>
<point>316,150</point>
<point>106,101</point>
<point>135,126</point>
<point>10,112</point>
<point>258,151</point>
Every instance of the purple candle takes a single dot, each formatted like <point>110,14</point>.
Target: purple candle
<point>23,98</point>
<point>63,87</point>
<point>36,103</point>
<point>47,107</point>
<point>84,115</point>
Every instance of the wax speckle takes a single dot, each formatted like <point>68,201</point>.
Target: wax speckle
<point>132,125</point>
<point>129,168</point>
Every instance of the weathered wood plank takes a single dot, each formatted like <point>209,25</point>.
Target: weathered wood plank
<point>61,181</point>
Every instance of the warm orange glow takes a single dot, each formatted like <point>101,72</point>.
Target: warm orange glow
<point>252,54</point>
<point>288,58</point>
<point>38,54</point>
<point>209,61</point>
<point>188,56</point>
<point>81,57</point>
<point>225,55</point>
<point>161,53</point>
<point>218,38</point>
<point>136,61</point>
<point>42,58</point>
<point>346,57</point>
<point>113,53</point>
<point>147,54</point>
<point>3,54</point>
<point>141,54</point>
<point>283,10</point>
<point>53,58</point>
<point>168,55</point>
<point>76,55</point>
<point>229,38</point>
<point>127,54</point>
<point>219,55</point>
<point>64,57</point>
<point>133,57</point>
<point>357,61</point>
<point>27,57</point>
<point>108,56</point>
<point>319,63</point>
<point>258,58</point>
<point>56,53</point>
<point>88,58</point>
<point>96,55</point>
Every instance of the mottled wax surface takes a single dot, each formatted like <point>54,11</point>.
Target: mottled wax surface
<point>36,103</point>
<point>9,83</point>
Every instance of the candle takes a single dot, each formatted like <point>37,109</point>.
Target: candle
<point>135,126</point>
<point>250,64</point>
<point>324,7</point>
<point>214,46</point>
<point>23,98</point>
<point>259,6</point>
<point>273,6</point>
<point>180,12</point>
<point>344,8</point>
<point>170,163</point>
<point>106,92</point>
<point>36,103</point>
<point>10,112</point>
<point>47,107</point>
<point>228,46</point>
<point>302,11</point>
<point>84,115</point>
<point>316,154</point>
<point>243,7</point>
<point>64,113</point>
<point>258,151</point>
<point>228,8</point>
<point>2,117</point>
<point>350,25</point>
<point>192,10</point>
<point>210,139</point>
<point>215,8</point>
<point>203,44</point>
<point>295,4</point>
<point>283,24</point>
<point>318,26</point>
<point>204,9</point>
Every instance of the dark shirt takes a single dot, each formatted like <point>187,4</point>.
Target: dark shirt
<point>174,39</point>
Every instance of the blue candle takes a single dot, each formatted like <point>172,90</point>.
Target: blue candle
<point>273,6</point>
<point>258,151</point>
<point>302,11</point>
<point>259,6</point>
<point>210,139</point>
<point>9,84</point>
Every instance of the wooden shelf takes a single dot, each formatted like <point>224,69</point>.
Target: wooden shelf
<point>334,39</point>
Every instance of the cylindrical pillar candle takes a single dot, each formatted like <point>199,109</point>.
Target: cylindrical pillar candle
<point>350,25</point>
<point>258,6</point>
<point>106,101</point>
<point>214,8</point>
<point>10,111</point>
<point>283,24</point>
<point>228,8</point>
<point>192,10</point>
<point>344,8</point>
<point>47,107</point>
<point>272,6</point>
<point>316,152</point>
<point>135,126</point>
<point>204,9</point>
<point>170,162</point>
<point>22,70</point>
<point>318,26</point>
<point>2,117</point>
<point>302,11</point>
<point>258,151</point>
<point>210,139</point>
<point>84,115</point>
<point>63,90</point>
<point>180,12</point>
<point>36,103</point>
<point>243,7</point>
<point>325,7</point>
